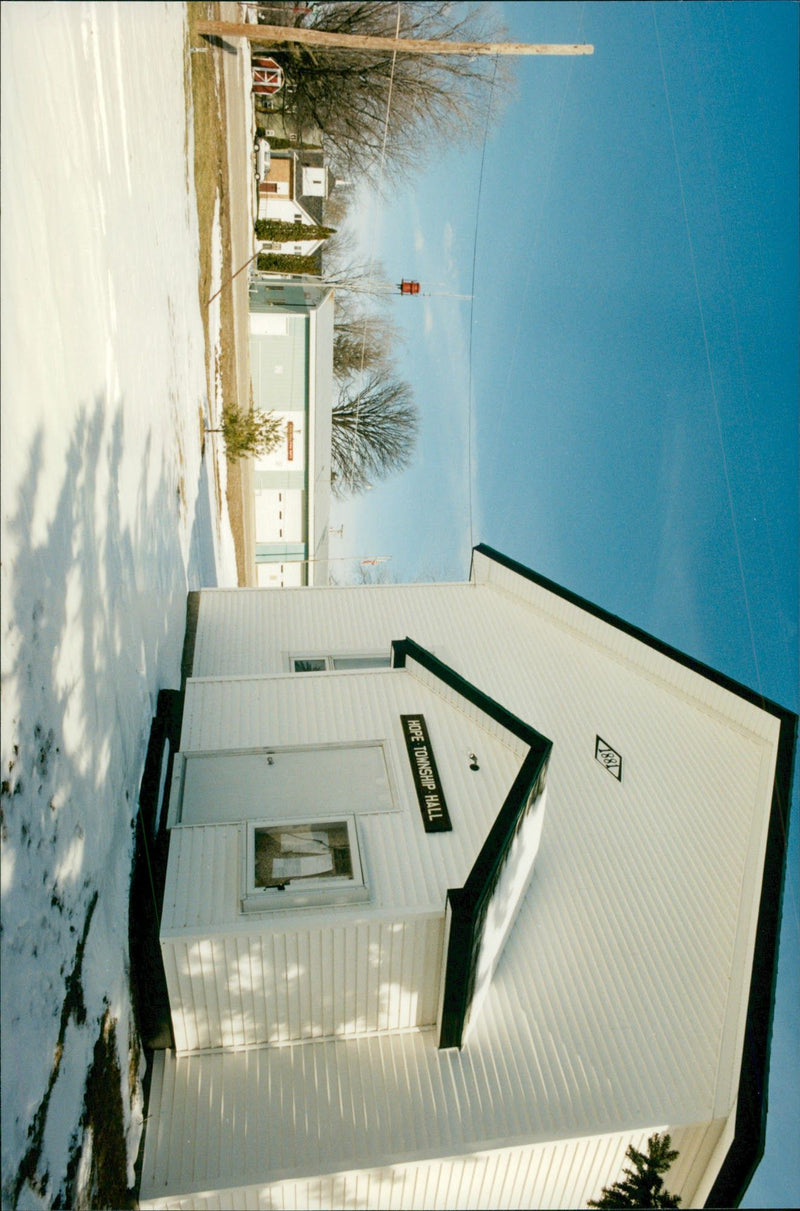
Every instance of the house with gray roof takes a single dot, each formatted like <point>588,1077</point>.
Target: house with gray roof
<point>294,191</point>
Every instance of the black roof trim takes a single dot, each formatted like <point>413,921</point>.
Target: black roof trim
<point>747,1147</point>
<point>628,628</point>
<point>189,636</point>
<point>402,649</point>
<point>469,904</point>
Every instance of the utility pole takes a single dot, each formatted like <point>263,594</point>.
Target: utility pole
<point>275,35</point>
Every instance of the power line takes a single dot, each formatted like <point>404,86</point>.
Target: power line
<point>710,368</point>
<point>472,306</point>
<point>370,280</point>
<point>380,180</point>
<point>793,902</point>
<point>537,231</point>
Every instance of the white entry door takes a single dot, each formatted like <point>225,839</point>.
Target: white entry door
<point>285,784</point>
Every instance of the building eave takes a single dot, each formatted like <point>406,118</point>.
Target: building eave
<point>747,1147</point>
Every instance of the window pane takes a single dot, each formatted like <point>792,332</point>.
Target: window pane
<point>315,665</point>
<point>290,853</point>
<point>361,662</point>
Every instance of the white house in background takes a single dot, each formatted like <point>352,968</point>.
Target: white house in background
<point>291,365</point>
<point>294,191</point>
<point>470,886</point>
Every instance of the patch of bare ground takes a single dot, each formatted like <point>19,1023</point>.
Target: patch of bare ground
<point>206,86</point>
<point>107,1165</point>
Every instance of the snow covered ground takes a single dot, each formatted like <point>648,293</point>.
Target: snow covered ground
<point>108,517</point>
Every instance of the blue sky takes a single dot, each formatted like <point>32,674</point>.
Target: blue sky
<point>618,406</point>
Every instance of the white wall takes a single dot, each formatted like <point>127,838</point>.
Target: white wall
<point>280,575</point>
<point>619,998</point>
<point>280,514</point>
<point>390,946</point>
<point>355,1161</point>
<point>341,979</point>
<point>279,363</point>
<point>633,924</point>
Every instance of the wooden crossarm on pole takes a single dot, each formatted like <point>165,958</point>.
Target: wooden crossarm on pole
<point>275,35</point>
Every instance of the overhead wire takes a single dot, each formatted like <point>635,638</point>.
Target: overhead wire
<point>375,219</point>
<point>470,401</point>
<point>768,299</point>
<point>537,231</point>
<point>718,419</point>
<point>709,366</point>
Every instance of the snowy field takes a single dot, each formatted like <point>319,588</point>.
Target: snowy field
<point>108,517</point>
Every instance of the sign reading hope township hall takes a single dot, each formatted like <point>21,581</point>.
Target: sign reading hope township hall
<point>425,775</point>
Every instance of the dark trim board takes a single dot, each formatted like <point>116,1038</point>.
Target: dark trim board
<point>747,1147</point>
<point>628,628</point>
<point>469,904</point>
<point>189,636</point>
<point>402,649</point>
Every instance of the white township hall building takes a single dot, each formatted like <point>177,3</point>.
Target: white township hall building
<point>470,886</point>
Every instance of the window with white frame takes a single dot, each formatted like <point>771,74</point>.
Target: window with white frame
<point>298,864</point>
<point>330,661</point>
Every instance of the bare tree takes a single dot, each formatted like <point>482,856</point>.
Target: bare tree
<point>375,425</point>
<point>337,205</point>
<point>365,334</point>
<point>371,571</point>
<point>361,343</point>
<point>434,98</point>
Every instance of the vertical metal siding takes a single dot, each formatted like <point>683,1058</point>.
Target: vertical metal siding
<point>406,866</point>
<point>614,999</point>
<point>560,1173</point>
<point>354,978</point>
<point>387,975</point>
<point>240,632</point>
<point>288,388</point>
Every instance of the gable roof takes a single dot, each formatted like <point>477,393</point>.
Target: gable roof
<point>747,1146</point>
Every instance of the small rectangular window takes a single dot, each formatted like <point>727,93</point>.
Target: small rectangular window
<point>287,854</point>
<point>322,664</point>
<point>361,662</point>
<point>297,865</point>
<point>314,664</point>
